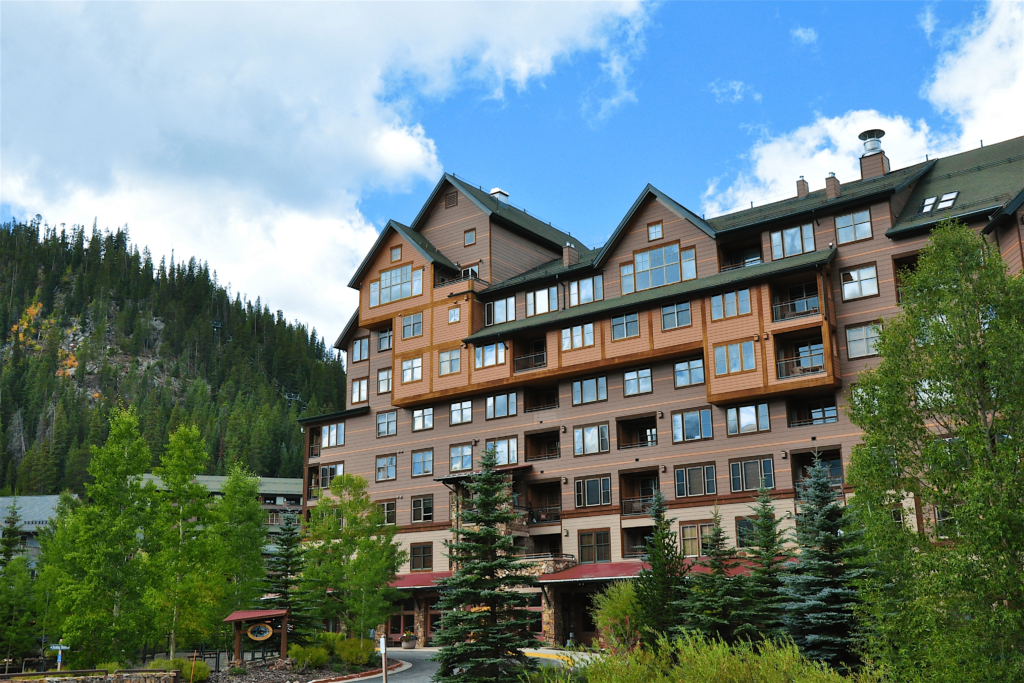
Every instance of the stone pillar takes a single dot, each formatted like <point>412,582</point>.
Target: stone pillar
<point>551,615</point>
<point>421,604</point>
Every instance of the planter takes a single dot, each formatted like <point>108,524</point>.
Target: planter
<point>409,644</point>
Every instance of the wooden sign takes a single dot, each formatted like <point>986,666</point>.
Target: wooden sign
<point>260,631</point>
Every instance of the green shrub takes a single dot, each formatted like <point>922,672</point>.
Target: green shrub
<point>237,671</point>
<point>614,611</point>
<point>201,672</point>
<point>311,657</point>
<point>329,641</point>
<point>354,652</point>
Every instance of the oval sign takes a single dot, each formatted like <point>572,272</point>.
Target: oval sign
<point>260,631</point>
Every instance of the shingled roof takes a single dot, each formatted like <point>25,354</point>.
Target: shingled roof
<point>420,242</point>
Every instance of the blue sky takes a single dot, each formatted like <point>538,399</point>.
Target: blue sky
<point>274,140</point>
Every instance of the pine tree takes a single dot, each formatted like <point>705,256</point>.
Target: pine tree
<point>485,625</point>
<point>10,541</point>
<point>714,602</point>
<point>662,584</point>
<point>240,535</point>
<point>819,589</point>
<point>769,557</point>
<point>285,565</point>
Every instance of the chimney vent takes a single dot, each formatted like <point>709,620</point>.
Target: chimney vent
<point>802,188</point>
<point>570,255</point>
<point>832,187</point>
<point>500,195</point>
<point>873,162</point>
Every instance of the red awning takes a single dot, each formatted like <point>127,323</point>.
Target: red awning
<point>254,615</point>
<point>418,580</point>
<point>602,571</point>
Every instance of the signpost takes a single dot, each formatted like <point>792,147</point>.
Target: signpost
<point>60,652</point>
<point>384,656</point>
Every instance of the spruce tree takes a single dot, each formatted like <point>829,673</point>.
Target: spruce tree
<point>285,564</point>
<point>485,625</point>
<point>819,589</point>
<point>714,603</point>
<point>10,541</point>
<point>660,585</point>
<point>768,556</point>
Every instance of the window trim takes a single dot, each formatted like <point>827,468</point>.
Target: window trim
<point>661,231</point>
<point>412,359</point>
<point>393,502</point>
<point>471,456</point>
<point>752,538</point>
<point>757,408</point>
<point>461,409</point>
<point>595,331</point>
<point>632,262</point>
<point>390,379</point>
<point>412,336</point>
<point>376,423</point>
<point>704,372</point>
<point>690,466</point>
<point>579,493</point>
<point>649,369</point>
<point>510,439</point>
<point>412,280</point>
<point>594,533</point>
<point>530,302</point>
<point>697,524</point>
<point>625,325</point>
<point>423,429</point>
<point>489,311</point>
<point>420,545</point>
<point>594,281</point>
<point>396,248</point>
<point>450,371</point>
<point>871,226</point>
<point>782,241</point>
<point>853,326</point>
<point>514,404</point>
<point>467,234</point>
<point>457,310</point>
<point>412,507</point>
<point>483,356</point>
<point>584,454</point>
<point>366,382</point>
<point>376,467</point>
<point>698,410</point>
<point>760,459</point>
<point>741,371</point>
<point>878,288</point>
<point>390,338</point>
<point>689,311</point>
<point>361,340</point>
<point>412,471</point>
<point>750,302</point>
<point>597,389</point>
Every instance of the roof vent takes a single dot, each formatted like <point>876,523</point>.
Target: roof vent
<point>872,140</point>
<point>500,195</point>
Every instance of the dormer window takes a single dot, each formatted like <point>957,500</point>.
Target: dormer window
<point>395,284</point>
<point>657,267</point>
<point>396,254</point>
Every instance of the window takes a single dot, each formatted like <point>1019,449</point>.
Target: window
<point>384,381</point>
<point>692,425</point>
<point>386,467</point>
<point>595,491</point>
<point>423,509</point>
<point>928,204</point>
<point>860,341</point>
<point>657,267</point>
<point>422,463</point>
<point>586,291</point>
<point>792,241</point>
<point>359,390</point>
<point>461,413</point>
<point>501,405</point>
<point>730,304</point>
<point>732,358</point>
<point>688,372</point>
<point>412,325</point>
<point>453,314</point>
<point>472,271</point>
<point>577,337</point>
<point>595,546</point>
<point>388,508</point>
<point>637,382</point>
<point>589,390</point>
<point>626,278</point>
<point>422,418</point>
<point>744,533</point>
<point>396,254</point>
<point>461,457</point>
<point>450,362</point>
<point>855,226</point>
<point>747,419</point>
<point>491,354</point>
<point>451,199</point>
<point>500,311</point>
<point>332,435</point>
<point>689,540</point>
<point>945,523</point>
<point>589,440</point>
<point>746,475</point>
<point>360,349</point>
<point>627,325</point>
<point>506,450</point>
<point>329,472</point>
<point>654,231</point>
<point>421,556</point>
<point>947,200</point>
<point>387,423</point>
<point>399,283</point>
<point>695,481</point>
<point>859,282</point>
<point>675,315</point>
<point>541,301</point>
<point>469,238</point>
<point>384,340</point>
<point>412,370</point>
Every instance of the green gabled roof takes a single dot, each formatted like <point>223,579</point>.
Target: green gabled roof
<point>647,297</point>
<point>851,192</point>
<point>512,215</point>
<point>420,242</point>
<point>1005,212</point>
<point>986,178</point>
<point>545,271</point>
<point>351,326</point>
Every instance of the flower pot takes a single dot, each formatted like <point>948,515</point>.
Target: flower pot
<point>409,644</point>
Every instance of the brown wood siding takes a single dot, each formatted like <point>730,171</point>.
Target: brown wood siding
<point>512,254</point>
<point>373,317</point>
<point>446,229</point>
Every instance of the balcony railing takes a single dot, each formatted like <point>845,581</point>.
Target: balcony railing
<point>312,493</point>
<point>795,308</point>
<point>542,515</point>
<point>314,451</point>
<point>634,551</point>
<point>800,366</point>
<point>548,452</point>
<point>642,443</point>
<point>530,361</point>
<point>546,406</point>
<point>737,266</point>
<point>633,507</point>
<point>806,422</point>
<point>547,556</point>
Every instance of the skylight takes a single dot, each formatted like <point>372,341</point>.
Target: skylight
<point>947,200</point>
<point>928,204</point>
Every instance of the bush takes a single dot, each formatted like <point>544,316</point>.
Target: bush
<point>354,652</point>
<point>311,657</point>
<point>237,671</point>
<point>328,640</point>
<point>201,672</point>
<point>615,609</point>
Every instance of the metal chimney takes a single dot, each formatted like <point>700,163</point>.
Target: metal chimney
<point>500,195</point>
<point>872,141</point>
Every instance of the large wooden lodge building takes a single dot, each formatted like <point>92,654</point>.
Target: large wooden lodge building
<point>695,357</point>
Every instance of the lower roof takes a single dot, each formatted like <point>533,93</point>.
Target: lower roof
<point>254,615</point>
<point>418,580</point>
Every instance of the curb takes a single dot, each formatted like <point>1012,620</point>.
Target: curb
<point>399,665</point>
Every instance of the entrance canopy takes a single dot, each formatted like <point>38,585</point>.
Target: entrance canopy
<point>254,615</point>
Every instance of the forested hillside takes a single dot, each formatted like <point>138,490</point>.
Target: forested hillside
<point>88,321</point>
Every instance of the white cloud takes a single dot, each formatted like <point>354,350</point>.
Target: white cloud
<point>977,83</point>
<point>731,91</point>
<point>927,21</point>
<point>804,36</point>
<point>246,133</point>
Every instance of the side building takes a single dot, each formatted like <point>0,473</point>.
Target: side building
<point>35,513</point>
<point>688,356</point>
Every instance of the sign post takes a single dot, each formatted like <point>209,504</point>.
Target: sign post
<point>384,656</point>
<point>60,652</point>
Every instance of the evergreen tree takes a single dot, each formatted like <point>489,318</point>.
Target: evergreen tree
<point>819,590</point>
<point>19,610</point>
<point>662,584</point>
<point>714,601</point>
<point>10,540</point>
<point>769,557</point>
<point>285,566</point>
<point>485,622</point>
<point>240,536</point>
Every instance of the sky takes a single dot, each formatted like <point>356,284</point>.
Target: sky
<point>274,140</point>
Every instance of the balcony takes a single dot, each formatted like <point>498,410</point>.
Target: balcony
<point>314,451</point>
<point>833,461</point>
<point>539,447</point>
<point>744,264</point>
<point>540,398</point>
<point>635,507</point>
<point>312,493</point>
<point>638,433</point>
<point>813,412</point>
<point>634,542</point>
<point>740,257</point>
<point>801,366</point>
<point>549,514</point>
<point>530,361</point>
<point>795,308</point>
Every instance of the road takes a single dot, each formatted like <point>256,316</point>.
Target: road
<point>422,668</point>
